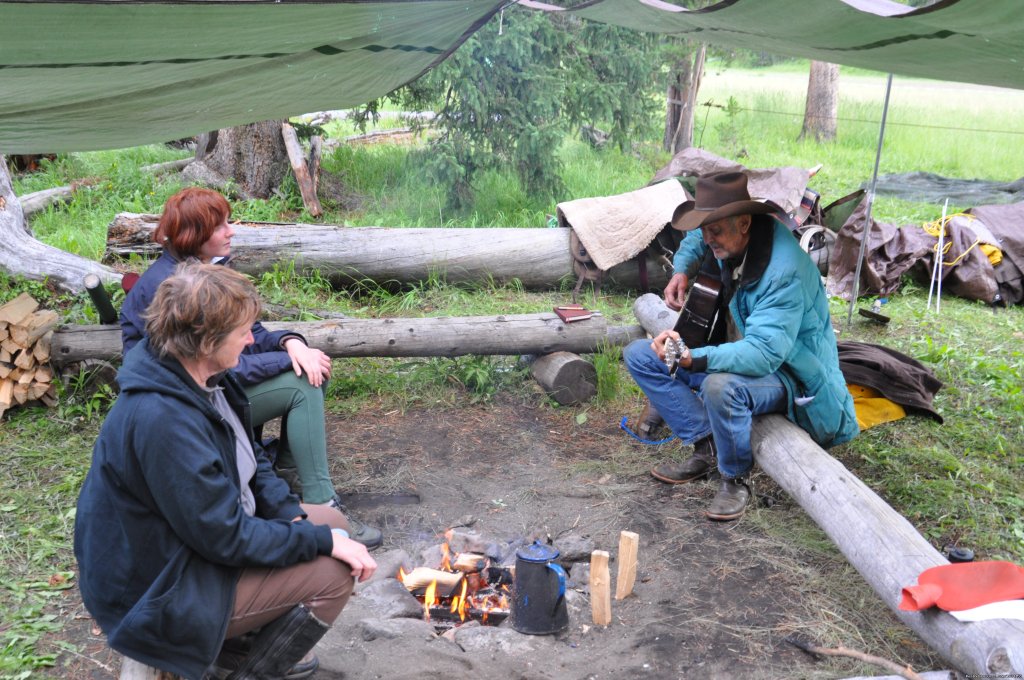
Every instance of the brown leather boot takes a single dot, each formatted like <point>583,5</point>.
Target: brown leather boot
<point>697,466</point>
<point>731,500</point>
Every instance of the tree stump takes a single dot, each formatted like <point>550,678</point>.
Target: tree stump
<point>566,377</point>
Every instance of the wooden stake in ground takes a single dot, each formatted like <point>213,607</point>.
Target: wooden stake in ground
<point>600,588</point>
<point>629,544</point>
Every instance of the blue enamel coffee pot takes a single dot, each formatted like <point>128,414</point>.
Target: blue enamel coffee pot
<point>538,598</point>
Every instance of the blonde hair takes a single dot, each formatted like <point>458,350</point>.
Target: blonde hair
<point>197,307</point>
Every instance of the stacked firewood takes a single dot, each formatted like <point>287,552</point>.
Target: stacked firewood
<point>25,374</point>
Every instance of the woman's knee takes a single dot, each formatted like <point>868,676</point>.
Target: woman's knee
<point>325,514</point>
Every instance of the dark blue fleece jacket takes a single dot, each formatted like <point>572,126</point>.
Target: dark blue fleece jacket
<point>261,360</point>
<point>160,535</point>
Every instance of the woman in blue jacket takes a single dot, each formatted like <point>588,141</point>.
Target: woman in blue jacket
<point>282,376</point>
<point>184,535</point>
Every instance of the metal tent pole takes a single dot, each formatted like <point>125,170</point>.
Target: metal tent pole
<point>871,200</point>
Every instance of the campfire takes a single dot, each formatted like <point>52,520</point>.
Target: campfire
<point>466,588</point>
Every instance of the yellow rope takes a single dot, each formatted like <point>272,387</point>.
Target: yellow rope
<point>939,227</point>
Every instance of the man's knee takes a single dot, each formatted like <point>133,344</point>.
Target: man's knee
<point>719,390</point>
<point>638,353</point>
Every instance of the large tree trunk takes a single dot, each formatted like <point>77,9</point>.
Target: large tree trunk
<point>22,255</point>
<point>822,109</point>
<point>879,542</point>
<point>511,334</point>
<point>253,155</point>
<point>537,258</point>
<point>681,98</point>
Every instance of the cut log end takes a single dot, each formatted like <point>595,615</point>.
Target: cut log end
<point>565,377</point>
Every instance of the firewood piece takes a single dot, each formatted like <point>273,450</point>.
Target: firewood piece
<point>38,389</point>
<point>18,334</point>
<point>25,360</point>
<point>43,374</point>
<point>18,308</point>
<point>565,377</point>
<point>3,331</point>
<point>305,182</point>
<point>600,588</point>
<point>20,393</point>
<point>6,369</point>
<point>50,396</point>
<point>41,350</point>
<point>629,544</point>
<point>421,577</point>
<point>26,377</point>
<point>6,393</point>
<point>40,323</point>
<point>469,562</point>
<point>11,347</point>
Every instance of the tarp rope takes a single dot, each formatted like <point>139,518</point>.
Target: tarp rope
<point>634,435</point>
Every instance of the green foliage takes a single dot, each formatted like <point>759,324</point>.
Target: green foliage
<point>508,96</point>
<point>607,361</point>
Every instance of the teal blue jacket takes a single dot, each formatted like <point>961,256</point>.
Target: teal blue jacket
<point>781,309</point>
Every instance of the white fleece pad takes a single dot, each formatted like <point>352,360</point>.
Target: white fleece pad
<point>615,228</point>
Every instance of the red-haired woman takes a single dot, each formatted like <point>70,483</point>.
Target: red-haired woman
<point>282,376</point>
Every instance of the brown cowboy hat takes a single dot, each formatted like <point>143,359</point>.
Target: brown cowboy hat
<point>718,196</point>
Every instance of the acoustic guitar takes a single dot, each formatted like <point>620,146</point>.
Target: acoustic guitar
<point>697,318</point>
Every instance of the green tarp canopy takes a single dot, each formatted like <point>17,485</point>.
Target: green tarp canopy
<point>84,75</point>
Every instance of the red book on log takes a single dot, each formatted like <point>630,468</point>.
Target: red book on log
<point>570,313</point>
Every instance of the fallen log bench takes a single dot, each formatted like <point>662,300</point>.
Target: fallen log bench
<point>538,258</point>
<point>509,334</point>
<point>877,541</point>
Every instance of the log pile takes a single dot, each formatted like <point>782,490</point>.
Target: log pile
<point>25,333</point>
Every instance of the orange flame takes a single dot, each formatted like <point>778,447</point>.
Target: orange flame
<point>401,575</point>
<point>429,599</point>
<point>446,561</point>
<point>461,600</point>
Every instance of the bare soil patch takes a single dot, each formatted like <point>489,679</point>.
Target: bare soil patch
<point>712,600</point>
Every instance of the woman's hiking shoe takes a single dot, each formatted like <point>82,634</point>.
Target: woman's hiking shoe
<point>357,531</point>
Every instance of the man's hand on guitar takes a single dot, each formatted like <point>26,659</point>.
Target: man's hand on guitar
<point>671,349</point>
<point>675,291</point>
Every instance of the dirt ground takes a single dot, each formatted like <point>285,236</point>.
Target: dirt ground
<point>712,600</point>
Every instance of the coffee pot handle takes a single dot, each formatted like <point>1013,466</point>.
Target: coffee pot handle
<point>557,568</point>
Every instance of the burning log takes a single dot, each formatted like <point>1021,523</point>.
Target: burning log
<point>536,258</point>
<point>426,337</point>
<point>422,577</point>
<point>879,542</point>
<point>25,336</point>
<point>469,562</point>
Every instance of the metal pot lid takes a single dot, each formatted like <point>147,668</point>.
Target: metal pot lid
<point>537,552</point>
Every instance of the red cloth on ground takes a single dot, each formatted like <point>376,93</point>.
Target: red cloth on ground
<point>955,587</point>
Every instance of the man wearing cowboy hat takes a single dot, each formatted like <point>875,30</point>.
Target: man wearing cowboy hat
<point>780,350</point>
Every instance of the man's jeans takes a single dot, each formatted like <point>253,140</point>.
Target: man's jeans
<point>695,405</point>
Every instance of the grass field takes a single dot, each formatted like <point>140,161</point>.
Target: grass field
<point>960,482</point>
